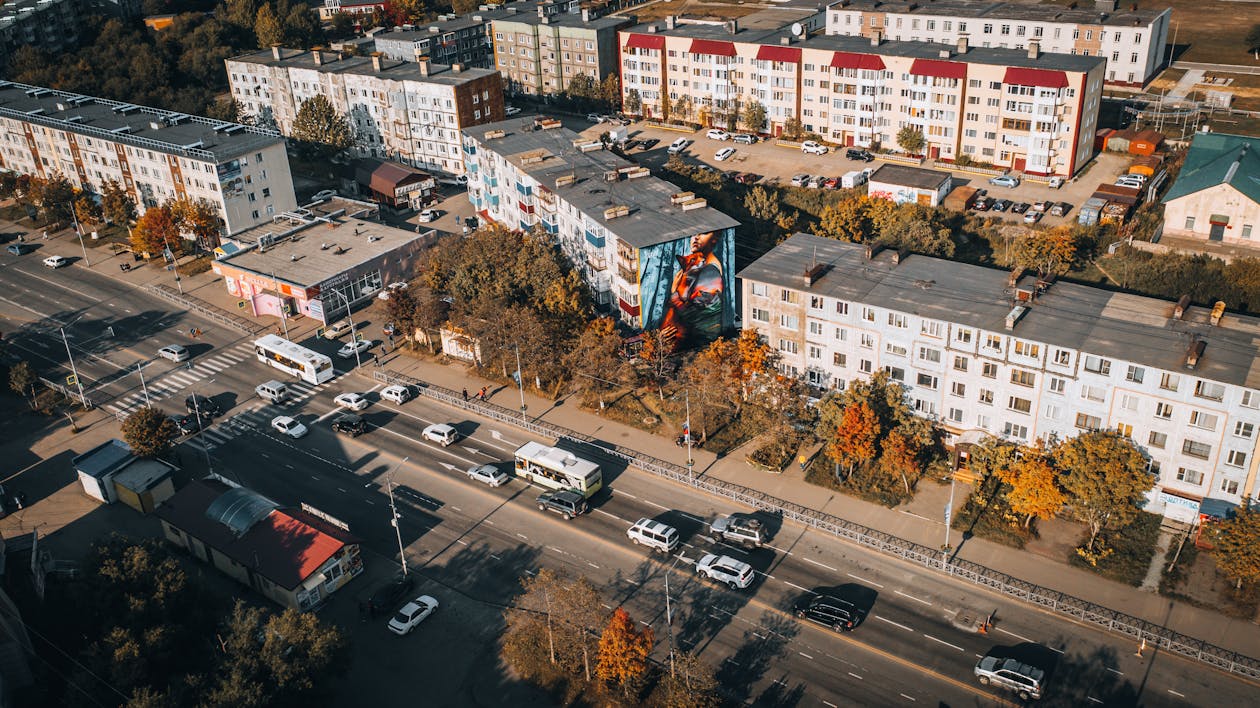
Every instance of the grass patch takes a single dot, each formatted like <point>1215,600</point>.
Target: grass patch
<point>630,409</point>
<point>1131,551</point>
<point>1174,577</point>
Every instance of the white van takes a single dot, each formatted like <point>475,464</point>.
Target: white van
<point>654,535</point>
<point>853,179</point>
<point>273,391</point>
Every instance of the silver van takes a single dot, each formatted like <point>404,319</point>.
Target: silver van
<point>273,391</point>
<point>654,535</point>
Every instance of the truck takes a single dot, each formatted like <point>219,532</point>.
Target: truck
<point>1091,211</point>
<point>853,179</point>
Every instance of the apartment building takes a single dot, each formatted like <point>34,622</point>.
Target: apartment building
<point>332,8</point>
<point>409,112</point>
<point>982,352</point>
<point>1132,40</point>
<point>540,47</point>
<point>632,236</point>
<point>1020,109</point>
<point>450,39</point>
<point>157,155</point>
<point>50,25</point>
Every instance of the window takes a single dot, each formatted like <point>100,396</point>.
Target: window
<point>1250,399</point>
<point>787,321</point>
<point>984,422</point>
<point>842,308</point>
<point>760,315</point>
<point>1019,377</point>
<point>986,396</point>
<point>1163,410</point>
<point>929,354</point>
<point>1062,357</point>
<point>1097,365</point>
<point>931,329</point>
<point>868,341</point>
<point>895,373</point>
<point>1054,412</point>
<point>1028,350</point>
<point>864,366</point>
<point>958,389</point>
<point>1088,422</point>
<point>1205,421</point>
<point>1169,382</point>
<point>993,342</point>
<point>839,359</point>
<point>760,289</point>
<point>960,363</point>
<point>1190,223</point>
<point>1236,458</point>
<point>815,352</point>
<point>1129,402</point>
<point>868,314</point>
<point>815,327</point>
<point>1157,439</point>
<point>963,336</point>
<point>842,334</point>
<point>1019,405</point>
<point>1194,448</point>
<point>927,381</point>
<point>1229,486</point>
<point>1124,429</point>
<point>894,349</point>
<point>989,371</point>
<point>815,302</point>
<point>1015,431</point>
<point>1094,393</point>
<point>1189,476</point>
<point>955,415</point>
<point>1244,430</point>
<point>789,346</point>
<point>1246,231</point>
<point>788,296</point>
<point>1209,390</point>
<point>896,320</point>
<point>1135,374</point>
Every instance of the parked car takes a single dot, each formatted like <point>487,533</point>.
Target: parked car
<point>323,195</point>
<point>352,401</point>
<point>1060,209</point>
<point>996,669</point>
<point>190,423</point>
<point>337,329</point>
<point>1019,207</point>
<point>1055,182</point>
<point>678,146</point>
<point>174,352</point>
<point>1004,181</point>
<point>747,177</point>
<point>564,502</point>
<point>594,117</point>
<point>1042,206</point>
<point>511,111</point>
<point>982,204</point>
<point>723,154</point>
<point>388,594</point>
<point>832,183</point>
<point>811,147</point>
<point>857,154</point>
<point>441,433</point>
<point>744,138</point>
<point>717,134</point>
<point>18,249</point>
<point>56,262</point>
<point>389,290</point>
<point>815,182</point>
<point>487,474</point>
<point>800,180</point>
<point>724,569</point>
<point>412,614</point>
<point>197,403</point>
<point>396,394</point>
<point>349,349</point>
<point>289,426</point>
<point>631,144</point>
<point>649,143</point>
<point>1001,205</point>
<point>1032,217</point>
<point>829,611</point>
<point>428,215</point>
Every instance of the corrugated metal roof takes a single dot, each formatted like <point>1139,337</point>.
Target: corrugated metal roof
<point>1219,158</point>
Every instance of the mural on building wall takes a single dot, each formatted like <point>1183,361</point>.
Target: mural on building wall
<point>230,181</point>
<point>687,287</point>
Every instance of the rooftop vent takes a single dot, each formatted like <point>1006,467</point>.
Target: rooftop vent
<point>680,197</point>
<point>122,129</point>
<point>637,172</point>
<point>155,125</point>
<point>900,256</point>
<point>617,211</point>
<point>814,273</point>
<point>75,119</point>
<point>534,157</point>
<point>565,180</point>
<point>1183,304</point>
<point>61,106</point>
<point>1218,311</point>
<point>697,203</point>
<point>1015,315</point>
<point>612,176</point>
<point>494,134</point>
<point>1195,352</point>
<point>874,249</point>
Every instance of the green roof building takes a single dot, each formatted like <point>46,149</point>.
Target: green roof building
<point>1217,195</point>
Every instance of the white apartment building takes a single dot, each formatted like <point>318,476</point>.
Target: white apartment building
<point>623,229</point>
<point>409,112</point>
<point>1131,40</point>
<point>157,155</point>
<point>1024,360</point>
<point>1019,109</point>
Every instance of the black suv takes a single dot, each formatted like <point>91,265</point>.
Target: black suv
<point>856,154</point>
<point>565,502</point>
<point>350,424</point>
<point>840,615</point>
<point>190,424</point>
<point>389,593</point>
<point>198,404</point>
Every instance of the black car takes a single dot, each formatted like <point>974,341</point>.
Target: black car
<point>630,144</point>
<point>386,596</point>
<point>198,404</point>
<point>565,502</point>
<point>1019,207</point>
<point>190,424</point>
<point>649,143</point>
<point>856,154</point>
<point>1001,205</point>
<point>840,615</point>
<point>350,424</point>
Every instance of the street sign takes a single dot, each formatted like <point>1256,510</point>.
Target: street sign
<point>240,304</point>
<point>71,380</point>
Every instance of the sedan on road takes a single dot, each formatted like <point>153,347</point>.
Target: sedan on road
<point>190,423</point>
<point>350,424</point>
<point>174,352</point>
<point>510,111</point>
<point>487,474</point>
<point>349,349</point>
<point>724,569</point>
<point>723,154</point>
<point>288,426</point>
<point>352,401</point>
<point>202,405</point>
<point>412,614</point>
<point>56,262</point>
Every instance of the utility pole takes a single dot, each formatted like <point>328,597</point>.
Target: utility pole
<point>691,463</point>
<point>143,387</point>
<point>201,428</point>
<point>393,511</point>
<point>73,370</point>
<point>520,379</point>
<point>284,319</point>
<point>669,621</point>
<point>358,361</point>
<point>78,230</point>
<point>949,511</point>
<point>174,263</point>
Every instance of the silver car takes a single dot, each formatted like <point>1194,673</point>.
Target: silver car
<point>487,474</point>
<point>724,569</point>
<point>1011,674</point>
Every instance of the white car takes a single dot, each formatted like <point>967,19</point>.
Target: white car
<point>352,401</point>
<point>678,146</point>
<point>511,110</point>
<point>412,614</point>
<point>397,394</point>
<point>725,569</point>
<point>288,426</point>
<point>174,352</point>
<point>811,147</point>
<point>325,194</point>
<point>349,349</point>
<point>55,262</point>
<point>717,134</point>
<point>488,474</point>
<point>441,433</point>
<point>389,290</point>
<point>723,154</point>
<point>429,215</point>
<point>800,180</point>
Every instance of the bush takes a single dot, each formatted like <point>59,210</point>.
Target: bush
<point>822,473</point>
<point>986,515</point>
<point>1128,551</point>
<point>196,266</point>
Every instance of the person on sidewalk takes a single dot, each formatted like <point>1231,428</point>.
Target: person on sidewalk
<point>465,392</point>
<point>45,234</point>
<point>483,393</point>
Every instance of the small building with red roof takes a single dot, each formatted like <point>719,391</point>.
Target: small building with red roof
<point>295,557</point>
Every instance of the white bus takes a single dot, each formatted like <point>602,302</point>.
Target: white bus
<point>557,469</point>
<point>310,366</point>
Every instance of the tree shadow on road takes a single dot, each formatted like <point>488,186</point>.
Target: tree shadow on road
<point>762,645</point>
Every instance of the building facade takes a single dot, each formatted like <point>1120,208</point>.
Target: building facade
<point>450,39</point>
<point>1019,109</point>
<point>50,25</point>
<point>409,112</point>
<point>1131,40</point>
<point>653,255</point>
<point>1216,196</point>
<point>983,353</point>
<point>156,155</point>
<point>539,48</point>
<point>332,8</point>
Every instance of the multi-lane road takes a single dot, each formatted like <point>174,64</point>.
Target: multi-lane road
<point>471,544</point>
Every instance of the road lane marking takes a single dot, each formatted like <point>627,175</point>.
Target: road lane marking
<point>820,565</point>
<point>625,494</point>
<point>1179,695</point>
<point>864,580</point>
<point>1094,700</point>
<point>522,536</point>
<point>591,564</point>
<point>693,517</point>
<point>342,490</point>
<point>1117,673</point>
<point>912,597</point>
<point>611,516</point>
<point>895,624</point>
<point>461,542</point>
<point>859,678</point>
<point>798,587</point>
<point>488,521</point>
<point>830,704</point>
<point>495,557</point>
<point>942,641</point>
<point>911,698</point>
<point>807,656</point>
<point>1012,634</point>
<point>658,506</point>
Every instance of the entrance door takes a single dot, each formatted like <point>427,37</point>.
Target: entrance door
<point>1020,164</point>
<point>848,140</point>
<point>1217,233</point>
<point>934,152</point>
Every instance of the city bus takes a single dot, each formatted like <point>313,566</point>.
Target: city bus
<point>557,469</point>
<point>280,353</point>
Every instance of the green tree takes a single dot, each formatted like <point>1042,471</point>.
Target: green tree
<point>267,27</point>
<point>910,138</point>
<point>87,211</point>
<point>1237,546</point>
<point>149,432</point>
<point>117,206</point>
<point>634,103</point>
<point>156,230</point>
<point>793,129</point>
<point>1105,478</point>
<point>301,25</point>
<point>763,206</point>
<point>610,90</point>
<point>553,626</point>
<point>55,197</point>
<point>623,651</point>
<point>752,116</point>
<point>342,26</point>
<point>22,380</point>
<point>320,130</point>
<point>682,108</point>
<point>582,87</point>
<point>241,14</point>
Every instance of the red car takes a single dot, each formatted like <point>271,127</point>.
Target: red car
<point>832,183</point>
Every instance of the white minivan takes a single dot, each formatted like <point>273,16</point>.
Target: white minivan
<point>654,535</point>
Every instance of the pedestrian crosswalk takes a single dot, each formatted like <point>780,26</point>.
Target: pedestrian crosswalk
<point>256,416</point>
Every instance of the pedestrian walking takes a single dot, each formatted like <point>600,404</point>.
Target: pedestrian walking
<point>45,234</point>
<point>483,393</point>
<point>465,392</point>
<point>376,359</point>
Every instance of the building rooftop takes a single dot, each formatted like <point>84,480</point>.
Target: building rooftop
<point>909,176</point>
<point>139,126</point>
<point>996,56</point>
<point>564,14</point>
<point>1108,324</point>
<point>549,155</point>
<point>318,241</point>
<point>1085,13</point>
<point>392,69</point>
<point>1219,158</point>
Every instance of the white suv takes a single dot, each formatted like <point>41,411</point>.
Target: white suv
<point>810,147</point>
<point>725,569</point>
<point>654,535</point>
<point>678,146</point>
<point>717,134</point>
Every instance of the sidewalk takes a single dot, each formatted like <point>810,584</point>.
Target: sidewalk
<point>919,521</point>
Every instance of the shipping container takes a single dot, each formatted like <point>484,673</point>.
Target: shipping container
<point>1116,193</point>
<point>1146,142</point>
<point>1100,138</point>
<point>1147,165</point>
<point>1119,140</point>
<point>1090,211</point>
<point>961,198</point>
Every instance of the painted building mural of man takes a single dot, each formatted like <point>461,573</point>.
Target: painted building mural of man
<point>687,286</point>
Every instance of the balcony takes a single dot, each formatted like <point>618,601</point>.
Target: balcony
<point>629,275</point>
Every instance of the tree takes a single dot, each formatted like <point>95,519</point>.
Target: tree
<point>793,129</point>
<point>1253,41</point>
<point>691,683</point>
<point>241,14</point>
<point>116,205</point>
<point>149,432</point>
<point>464,7</point>
<point>267,27</point>
<point>1105,478</point>
<point>682,108</point>
<point>595,358</point>
<point>634,103</point>
<point>763,206</point>
<point>853,441</point>
<point>156,230</point>
<point>87,211</point>
<point>846,220</point>
<point>712,390</point>
<point>320,129</point>
<point>910,138</point>
<point>301,25</point>
<point>610,90</point>
<point>198,218</point>
<point>623,651</point>
<point>658,348</point>
<point>342,26</point>
<point>405,12</point>
<point>1049,252</point>
<point>753,116</point>
<point>22,379</point>
<point>583,87</point>
<point>1237,541</point>
<point>54,197</point>
<point>1034,488</point>
<point>552,626</point>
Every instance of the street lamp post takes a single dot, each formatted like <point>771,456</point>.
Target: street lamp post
<point>949,510</point>
<point>358,362</point>
<point>691,463</point>
<point>284,319</point>
<point>143,387</point>
<point>73,370</point>
<point>174,263</point>
<point>520,379</point>
<point>79,230</point>
<point>393,512</point>
<point>201,429</point>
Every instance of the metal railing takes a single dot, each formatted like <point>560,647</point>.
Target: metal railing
<point>70,392</point>
<point>866,537</point>
<point>205,309</point>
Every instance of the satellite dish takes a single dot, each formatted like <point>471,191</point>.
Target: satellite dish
<point>797,29</point>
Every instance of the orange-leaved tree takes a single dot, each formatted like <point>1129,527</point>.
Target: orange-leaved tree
<point>1237,542</point>
<point>1035,491</point>
<point>623,650</point>
<point>156,230</point>
<point>855,436</point>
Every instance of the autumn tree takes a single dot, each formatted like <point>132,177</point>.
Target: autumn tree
<point>1105,478</point>
<point>156,230</point>
<point>196,217</point>
<point>267,27</point>
<point>320,130</point>
<point>763,206</point>
<point>553,626</point>
<point>753,116</point>
<point>853,440</point>
<point>87,212</point>
<point>633,105</point>
<point>22,380</point>
<point>405,12</point>
<point>682,108</point>
<point>116,205</point>
<point>1237,546</point>
<point>595,359</point>
<point>623,651</point>
<point>54,197</point>
<point>846,220</point>
<point>780,411</point>
<point>712,388</point>
<point>610,90</point>
<point>1034,488</point>
<point>149,432</point>
<point>691,683</point>
<point>1050,252</point>
<point>657,351</point>
<point>910,138</point>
